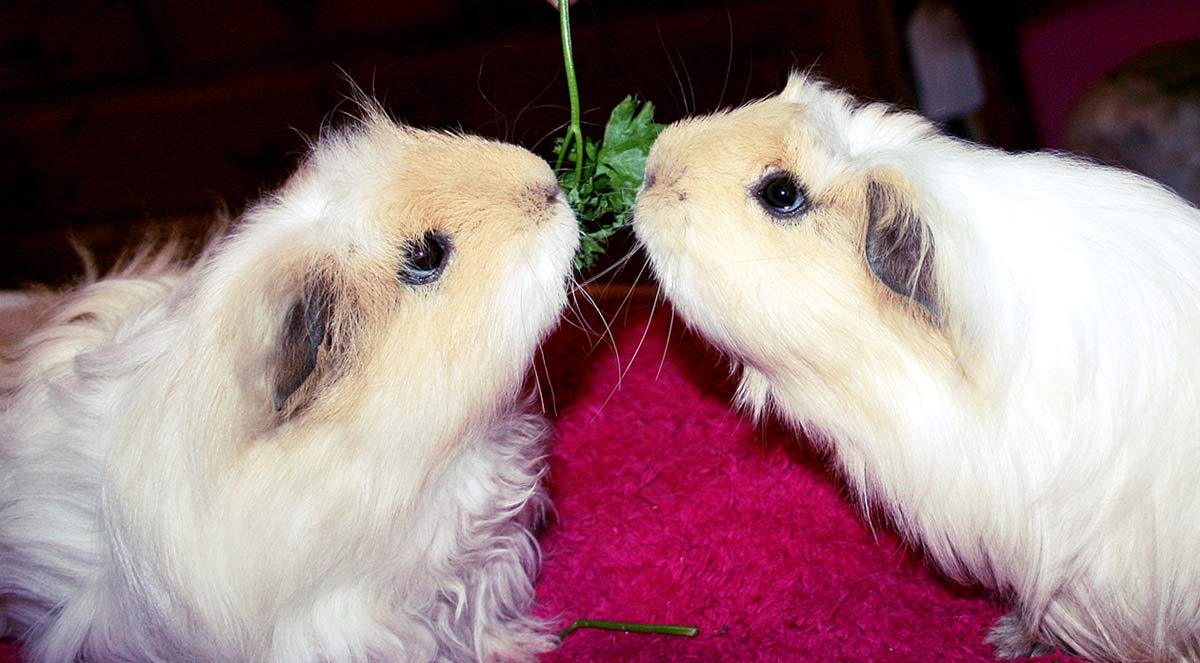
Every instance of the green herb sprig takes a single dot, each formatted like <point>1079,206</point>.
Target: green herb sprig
<point>629,627</point>
<point>602,180</point>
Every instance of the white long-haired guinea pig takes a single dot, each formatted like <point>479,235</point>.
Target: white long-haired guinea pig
<point>1002,351</point>
<point>309,446</point>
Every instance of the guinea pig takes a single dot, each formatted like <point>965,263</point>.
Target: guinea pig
<point>1000,352</point>
<point>310,443</point>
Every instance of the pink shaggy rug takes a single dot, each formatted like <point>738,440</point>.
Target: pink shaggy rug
<point>674,509</point>
<point>671,508</point>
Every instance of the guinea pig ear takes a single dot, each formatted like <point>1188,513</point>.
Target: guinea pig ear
<point>304,332</point>
<point>899,247</point>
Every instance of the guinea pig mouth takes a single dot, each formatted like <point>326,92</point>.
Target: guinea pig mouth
<point>663,199</point>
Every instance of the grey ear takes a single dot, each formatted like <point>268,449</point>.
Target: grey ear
<point>899,247</point>
<point>304,331</point>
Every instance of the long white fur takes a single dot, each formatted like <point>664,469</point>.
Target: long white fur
<point>153,507</point>
<point>1042,437</point>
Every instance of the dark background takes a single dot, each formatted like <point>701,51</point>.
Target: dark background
<point>121,116</point>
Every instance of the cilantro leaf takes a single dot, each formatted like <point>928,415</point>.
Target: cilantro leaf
<point>627,139</point>
<point>603,190</point>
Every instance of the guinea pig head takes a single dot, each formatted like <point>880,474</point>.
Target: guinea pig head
<point>400,279</point>
<point>795,249</point>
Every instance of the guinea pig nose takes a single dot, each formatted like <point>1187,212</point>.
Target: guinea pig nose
<point>541,198</point>
<point>649,180</point>
<point>552,193</point>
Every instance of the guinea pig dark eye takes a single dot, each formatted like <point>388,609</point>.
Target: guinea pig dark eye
<point>781,196</point>
<point>425,258</point>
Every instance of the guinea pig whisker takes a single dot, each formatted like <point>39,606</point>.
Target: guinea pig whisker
<point>729,60</point>
<point>584,289</point>
<point>524,109</point>
<point>621,372</point>
<point>537,383</point>
<point>552,132</point>
<point>683,99</point>
<point>749,78</point>
<point>500,118</point>
<point>549,384</point>
<point>616,351</point>
<point>611,269</point>
<point>666,343</point>
<point>607,333</point>
<point>691,88</point>
<point>622,263</point>
<point>583,317</point>
<point>645,333</point>
<point>580,320</point>
<point>531,104</point>
<point>632,288</point>
<point>537,387</point>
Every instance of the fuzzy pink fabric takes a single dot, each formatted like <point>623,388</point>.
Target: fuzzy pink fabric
<point>674,509</point>
<point>671,508</point>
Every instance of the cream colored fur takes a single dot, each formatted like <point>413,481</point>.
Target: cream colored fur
<point>154,506</point>
<point>1036,429</point>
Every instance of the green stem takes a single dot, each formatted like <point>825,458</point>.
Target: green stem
<point>576,131</point>
<point>628,627</point>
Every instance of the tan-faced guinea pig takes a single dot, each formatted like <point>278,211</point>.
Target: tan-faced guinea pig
<point>311,444</point>
<point>1000,351</point>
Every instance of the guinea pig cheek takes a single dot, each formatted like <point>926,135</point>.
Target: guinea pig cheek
<point>511,290</point>
<point>713,276</point>
<point>535,290</point>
